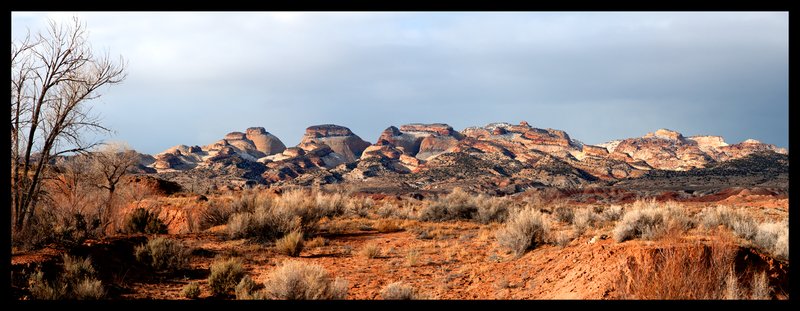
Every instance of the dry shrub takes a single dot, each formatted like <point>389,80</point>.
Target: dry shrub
<point>290,244</point>
<point>370,250</point>
<point>143,221</point>
<point>399,291</point>
<point>219,212</point>
<point>525,229</point>
<point>459,204</point>
<point>612,213</point>
<point>294,210</point>
<point>391,210</point>
<point>564,213</point>
<point>737,220</point>
<point>584,218</point>
<point>388,226</point>
<point>650,221</point>
<point>225,275</point>
<point>294,280</point>
<point>563,239</point>
<point>358,206</point>
<point>491,209</point>
<point>771,237</point>
<point>759,287</point>
<point>677,272</point>
<point>412,258</point>
<point>316,242</point>
<point>191,290</point>
<point>774,238</point>
<point>163,254</point>
<point>689,271</point>
<point>245,290</point>
<point>77,281</point>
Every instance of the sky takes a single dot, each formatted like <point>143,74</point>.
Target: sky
<point>193,77</point>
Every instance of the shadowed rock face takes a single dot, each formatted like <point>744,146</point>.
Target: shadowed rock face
<point>339,138</point>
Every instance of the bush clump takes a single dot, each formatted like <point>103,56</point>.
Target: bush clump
<point>650,221</point>
<point>460,205</point>
<point>741,224</point>
<point>219,213</point>
<point>296,210</point>
<point>525,229</point>
<point>225,275</point>
<point>77,281</point>
<point>245,290</point>
<point>191,290</point>
<point>774,238</point>
<point>163,254</point>
<point>290,244</point>
<point>399,291</point>
<point>294,280</point>
<point>143,221</point>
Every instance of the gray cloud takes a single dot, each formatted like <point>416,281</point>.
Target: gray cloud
<point>599,76</point>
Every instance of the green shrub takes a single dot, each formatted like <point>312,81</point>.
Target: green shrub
<point>163,254</point>
<point>525,229</point>
<point>225,275</point>
<point>143,221</point>
<point>295,280</point>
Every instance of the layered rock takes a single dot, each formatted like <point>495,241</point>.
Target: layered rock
<point>595,151</point>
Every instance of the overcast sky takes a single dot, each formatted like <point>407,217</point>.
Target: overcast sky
<point>193,77</point>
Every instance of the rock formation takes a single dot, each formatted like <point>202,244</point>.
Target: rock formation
<point>501,156</point>
<point>339,138</point>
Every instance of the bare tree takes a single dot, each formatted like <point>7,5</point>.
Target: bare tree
<point>53,75</point>
<point>111,163</point>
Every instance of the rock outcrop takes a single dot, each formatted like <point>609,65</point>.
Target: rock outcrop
<point>339,138</point>
<point>265,142</point>
<point>422,141</point>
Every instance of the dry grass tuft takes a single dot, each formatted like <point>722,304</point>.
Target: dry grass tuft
<point>399,291</point>
<point>370,250</point>
<point>290,244</point>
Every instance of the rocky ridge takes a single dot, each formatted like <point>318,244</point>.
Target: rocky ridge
<point>424,156</point>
